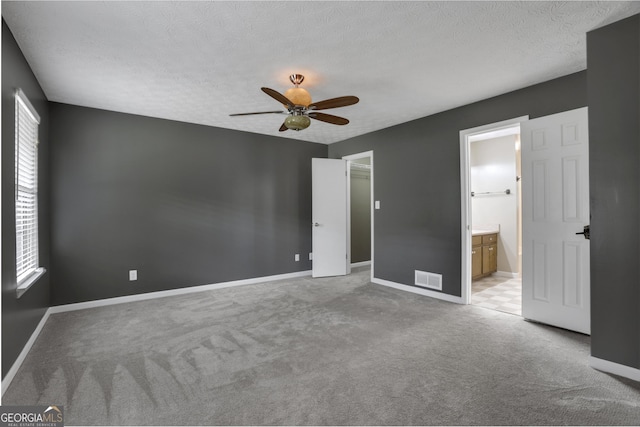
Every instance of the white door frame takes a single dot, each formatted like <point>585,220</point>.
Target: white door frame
<point>349,158</point>
<point>465,196</point>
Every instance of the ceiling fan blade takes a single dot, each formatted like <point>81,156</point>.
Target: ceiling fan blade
<point>283,128</point>
<point>328,118</point>
<point>278,97</point>
<point>259,112</point>
<point>341,101</point>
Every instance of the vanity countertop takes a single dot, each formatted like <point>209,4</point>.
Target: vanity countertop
<point>484,231</point>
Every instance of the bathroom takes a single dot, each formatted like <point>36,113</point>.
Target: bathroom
<point>496,220</point>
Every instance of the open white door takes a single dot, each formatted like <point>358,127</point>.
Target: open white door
<point>329,217</point>
<point>555,206</point>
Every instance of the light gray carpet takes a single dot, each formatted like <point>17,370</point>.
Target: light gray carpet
<point>329,351</point>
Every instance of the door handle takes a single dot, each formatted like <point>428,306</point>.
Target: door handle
<point>586,232</point>
<point>315,224</point>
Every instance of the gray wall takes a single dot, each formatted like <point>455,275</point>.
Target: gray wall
<point>360,215</point>
<point>183,204</point>
<point>417,178</point>
<point>613,78</point>
<point>21,316</point>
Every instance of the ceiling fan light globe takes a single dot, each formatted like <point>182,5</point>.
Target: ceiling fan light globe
<point>297,122</point>
<point>298,96</point>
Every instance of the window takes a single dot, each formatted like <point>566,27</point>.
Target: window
<point>27,121</point>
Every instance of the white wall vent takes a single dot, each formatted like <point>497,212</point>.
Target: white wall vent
<point>429,280</point>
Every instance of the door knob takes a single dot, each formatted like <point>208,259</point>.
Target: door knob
<point>586,232</point>
<point>315,224</point>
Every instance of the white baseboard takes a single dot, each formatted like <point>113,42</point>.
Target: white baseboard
<point>6,381</point>
<point>506,274</point>
<point>173,292</point>
<point>417,290</point>
<point>360,264</point>
<point>614,368</point>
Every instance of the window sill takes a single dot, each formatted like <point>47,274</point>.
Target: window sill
<point>30,281</point>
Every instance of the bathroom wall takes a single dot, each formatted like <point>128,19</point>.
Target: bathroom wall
<point>493,169</point>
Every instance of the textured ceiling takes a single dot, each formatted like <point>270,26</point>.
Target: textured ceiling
<point>200,61</point>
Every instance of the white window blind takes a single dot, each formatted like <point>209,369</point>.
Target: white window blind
<point>27,121</point>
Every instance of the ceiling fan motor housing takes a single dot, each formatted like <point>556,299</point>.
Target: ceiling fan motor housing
<point>298,95</point>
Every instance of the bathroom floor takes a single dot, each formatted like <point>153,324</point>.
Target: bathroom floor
<point>498,293</point>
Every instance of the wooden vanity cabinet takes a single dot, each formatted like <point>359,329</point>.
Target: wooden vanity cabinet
<point>484,255</point>
<point>489,261</point>
<point>476,257</point>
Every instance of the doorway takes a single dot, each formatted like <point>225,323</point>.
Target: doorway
<point>331,214</point>
<point>491,216</point>
<point>555,217</point>
<point>496,247</point>
<point>360,208</point>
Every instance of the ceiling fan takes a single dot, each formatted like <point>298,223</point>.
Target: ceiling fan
<point>300,108</point>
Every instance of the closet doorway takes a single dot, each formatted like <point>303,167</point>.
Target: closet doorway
<point>492,216</point>
<point>360,208</point>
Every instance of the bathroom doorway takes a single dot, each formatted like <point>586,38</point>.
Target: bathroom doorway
<point>492,226</point>
<point>360,209</point>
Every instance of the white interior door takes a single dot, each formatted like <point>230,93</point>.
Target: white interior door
<point>329,217</point>
<point>555,206</point>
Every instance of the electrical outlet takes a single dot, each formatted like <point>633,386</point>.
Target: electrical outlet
<point>297,257</point>
<point>133,275</point>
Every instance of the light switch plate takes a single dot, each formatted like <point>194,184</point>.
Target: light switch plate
<point>377,204</point>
